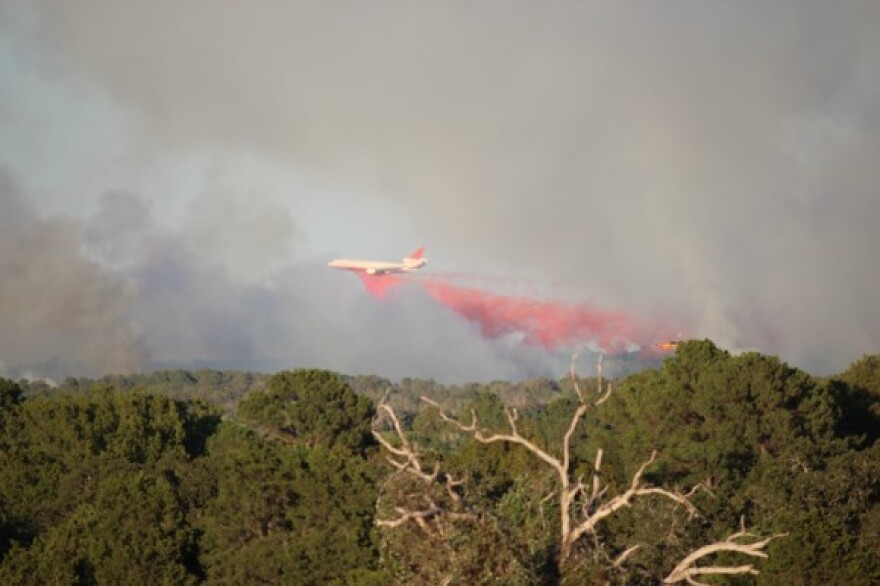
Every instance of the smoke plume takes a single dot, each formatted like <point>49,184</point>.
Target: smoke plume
<point>60,312</point>
<point>122,291</point>
<point>714,163</point>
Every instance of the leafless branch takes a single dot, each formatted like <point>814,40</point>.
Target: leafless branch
<point>573,377</point>
<point>582,508</point>
<point>420,517</point>
<point>636,489</point>
<point>451,484</point>
<point>513,437</point>
<point>597,491</point>
<point>688,571</point>
<point>405,516</point>
<point>618,561</point>
<point>408,459</point>
<point>572,491</point>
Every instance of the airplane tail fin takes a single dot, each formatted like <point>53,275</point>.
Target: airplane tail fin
<point>415,260</point>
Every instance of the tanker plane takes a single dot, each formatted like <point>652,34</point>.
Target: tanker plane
<point>411,263</point>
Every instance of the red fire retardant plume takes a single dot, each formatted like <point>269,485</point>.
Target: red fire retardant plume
<point>379,285</point>
<point>550,324</point>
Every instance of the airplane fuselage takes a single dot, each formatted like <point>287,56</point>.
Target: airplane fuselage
<point>373,267</point>
<point>377,267</point>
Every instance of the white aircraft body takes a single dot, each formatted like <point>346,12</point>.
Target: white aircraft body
<point>413,262</point>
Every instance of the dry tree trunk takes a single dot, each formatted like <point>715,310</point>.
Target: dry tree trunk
<point>581,508</point>
<point>574,495</point>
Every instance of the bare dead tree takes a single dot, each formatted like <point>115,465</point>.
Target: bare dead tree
<point>406,458</point>
<point>581,508</point>
<point>688,571</point>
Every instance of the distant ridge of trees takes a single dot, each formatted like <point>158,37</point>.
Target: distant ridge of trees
<point>222,387</point>
<point>233,477</point>
<point>227,387</point>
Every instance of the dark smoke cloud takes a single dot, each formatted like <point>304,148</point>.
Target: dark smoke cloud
<point>713,162</point>
<point>60,313</point>
<point>196,306</point>
<point>122,292</point>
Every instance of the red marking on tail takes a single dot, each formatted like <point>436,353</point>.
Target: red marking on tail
<point>418,253</point>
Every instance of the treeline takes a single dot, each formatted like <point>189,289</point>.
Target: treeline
<point>142,480</point>
<point>227,387</point>
<point>223,387</point>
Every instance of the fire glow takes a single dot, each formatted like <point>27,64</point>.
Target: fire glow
<point>546,323</point>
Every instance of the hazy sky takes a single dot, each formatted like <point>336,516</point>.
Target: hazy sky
<point>175,175</point>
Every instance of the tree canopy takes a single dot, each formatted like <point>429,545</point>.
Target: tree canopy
<point>143,479</point>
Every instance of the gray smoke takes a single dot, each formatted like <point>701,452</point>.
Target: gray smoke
<point>120,292</point>
<point>60,312</point>
<point>197,305</point>
<point>714,162</point>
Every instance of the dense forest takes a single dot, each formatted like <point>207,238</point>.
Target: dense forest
<point>713,468</point>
